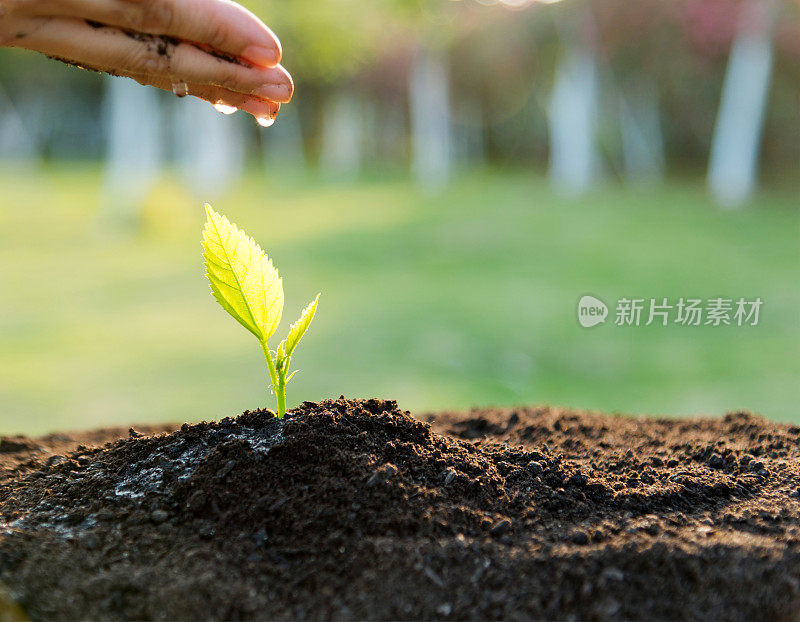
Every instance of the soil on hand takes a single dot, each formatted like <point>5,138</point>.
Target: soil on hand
<point>356,510</point>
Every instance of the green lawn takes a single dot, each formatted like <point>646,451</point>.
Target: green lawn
<point>466,298</point>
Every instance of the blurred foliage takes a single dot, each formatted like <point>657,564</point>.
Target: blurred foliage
<point>323,40</point>
<point>442,301</point>
<point>502,63</point>
<point>330,41</point>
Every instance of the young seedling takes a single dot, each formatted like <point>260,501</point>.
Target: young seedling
<point>247,286</point>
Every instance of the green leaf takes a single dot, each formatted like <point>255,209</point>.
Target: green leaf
<point>280,356</point>
<point>242,277</point>
<point>299,328</point>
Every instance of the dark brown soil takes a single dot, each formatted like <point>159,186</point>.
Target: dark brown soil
<point>356,510</point>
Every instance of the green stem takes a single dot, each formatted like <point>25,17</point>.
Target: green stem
<point>278,381</point>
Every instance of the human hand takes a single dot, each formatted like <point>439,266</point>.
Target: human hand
<point>213,49</point>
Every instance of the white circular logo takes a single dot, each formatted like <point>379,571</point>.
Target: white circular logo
<point>591,311</point>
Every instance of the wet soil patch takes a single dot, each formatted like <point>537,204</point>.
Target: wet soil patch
<point>352,509</point>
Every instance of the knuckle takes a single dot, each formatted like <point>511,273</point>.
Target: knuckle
<point>218,35</point>
<point>146,59</point>
<point>131,14</point>
<point>154,16</point>
<point>132,20</point>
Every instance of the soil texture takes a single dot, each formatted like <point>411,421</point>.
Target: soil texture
<point>354,509</point>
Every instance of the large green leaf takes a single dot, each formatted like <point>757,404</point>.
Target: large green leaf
<point>242,277</point>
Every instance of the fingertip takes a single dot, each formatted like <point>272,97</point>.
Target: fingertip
<point>262,55</point>
<point>278,88</point>
<point>291,84</point>
<point>261,109</point>
<point>265,49</point>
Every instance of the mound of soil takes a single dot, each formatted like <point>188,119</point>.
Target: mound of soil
<point>356,510</point>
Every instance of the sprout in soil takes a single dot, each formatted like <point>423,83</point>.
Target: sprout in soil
<point>247,285</point>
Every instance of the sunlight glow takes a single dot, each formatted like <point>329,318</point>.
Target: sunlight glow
<point>516,4</point>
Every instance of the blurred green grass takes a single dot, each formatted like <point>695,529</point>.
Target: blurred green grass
<point>465,298</point>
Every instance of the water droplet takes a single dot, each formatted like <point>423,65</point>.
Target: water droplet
<point>225,108</point>
<point>180,89</point>
<point>265,121</point>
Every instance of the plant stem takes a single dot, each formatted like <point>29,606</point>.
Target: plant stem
<point>278,381</point>
<point>280,393</point>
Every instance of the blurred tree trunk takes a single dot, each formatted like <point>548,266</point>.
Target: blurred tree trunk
<point>642,140</point>
<point>134,150</point>
<point>733,164</point>
<point>209,147</point>
<point>572,118</point>
<point>573,108</point>
<point>19,146</point>
<point>429,96</point>
<point>342,137</point>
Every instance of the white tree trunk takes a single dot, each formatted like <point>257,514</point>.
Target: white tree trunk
<point>18,144</point>
<point>733,163</point>
<point>134,147</point>
<point>210,147</point>
<point>642,140</point>
<point>342,138</point>
<point>572,119</point>
<point>429,93</point>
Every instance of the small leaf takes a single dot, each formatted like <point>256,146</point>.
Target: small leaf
<point>280,356</point>
<point>299,328</point>
<point>242,277</point>
<point>291,375</point>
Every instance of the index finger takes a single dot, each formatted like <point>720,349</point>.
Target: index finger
<point>222,25</point>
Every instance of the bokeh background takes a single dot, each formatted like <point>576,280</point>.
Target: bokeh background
<point>453,176</point>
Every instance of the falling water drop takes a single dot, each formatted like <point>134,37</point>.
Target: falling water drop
<point>180,89</point>
<point>224,108</point>
<point>265,121</point>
